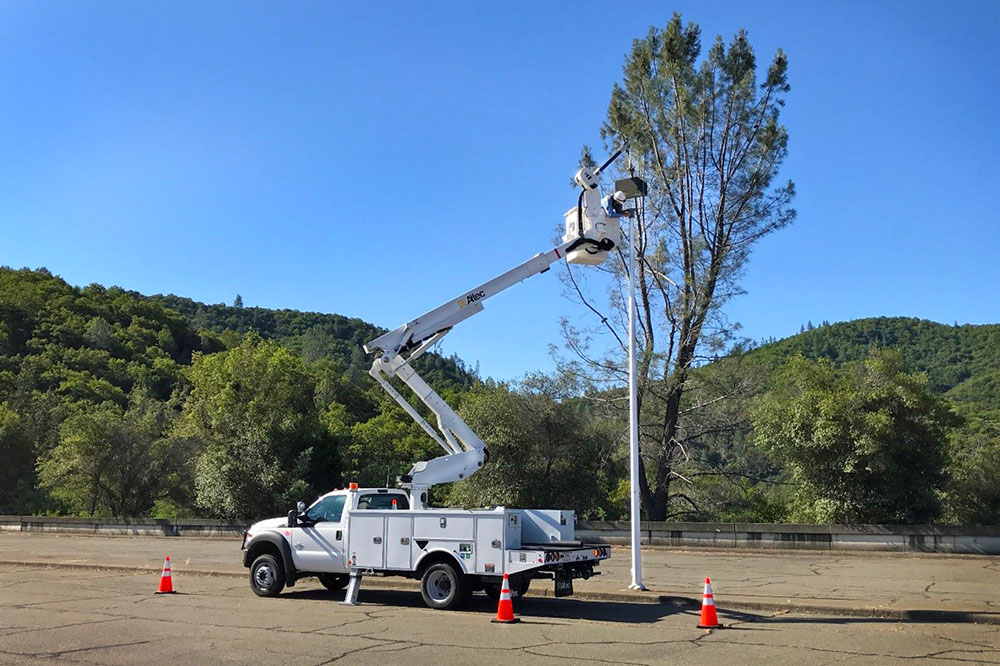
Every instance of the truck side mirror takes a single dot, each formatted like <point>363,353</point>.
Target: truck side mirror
<point>300,506</point>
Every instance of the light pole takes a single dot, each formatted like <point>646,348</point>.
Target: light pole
<point>633,416</point>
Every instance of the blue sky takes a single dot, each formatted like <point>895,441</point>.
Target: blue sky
<point>376,159</point>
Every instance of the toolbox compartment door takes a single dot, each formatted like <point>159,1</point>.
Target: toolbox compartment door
<point>489,544</point>
<point>397,547</point>
<point>367,540</point>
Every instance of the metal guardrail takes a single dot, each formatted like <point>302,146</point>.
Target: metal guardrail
<point>982,540</point>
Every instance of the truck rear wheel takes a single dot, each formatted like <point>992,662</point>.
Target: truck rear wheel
<point>518,588</point>
<point>444,587</point>
<point>267,576</point>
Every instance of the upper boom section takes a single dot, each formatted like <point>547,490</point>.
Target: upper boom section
<point>443,317</point>
<point>584,243</point>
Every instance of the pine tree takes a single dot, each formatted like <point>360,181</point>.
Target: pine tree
<point>704,132</point>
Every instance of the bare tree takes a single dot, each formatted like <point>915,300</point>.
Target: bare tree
<point>707,139</point>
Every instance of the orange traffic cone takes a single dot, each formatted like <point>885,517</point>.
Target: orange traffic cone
<point>709,620</point>
<point>166,582</point>
<point>505,611</point>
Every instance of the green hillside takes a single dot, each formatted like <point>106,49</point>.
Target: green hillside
<point>962,362</point>
<point>97,383</point>
<point>313,335</point>
<point>97,335</point>
<point>117,403</point>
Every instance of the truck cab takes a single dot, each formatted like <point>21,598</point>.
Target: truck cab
<point>312,542</point>
<point>317,537</point>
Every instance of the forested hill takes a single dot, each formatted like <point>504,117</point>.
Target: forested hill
<point>960,361</point>
<point>335,334</point>
<point>115,403</point>
<point>98,331</point>
<point>109,397</point>
<point>311,334</point>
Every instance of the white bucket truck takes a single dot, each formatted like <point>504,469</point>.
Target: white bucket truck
<point>392,532</point>
<point>452,551</point>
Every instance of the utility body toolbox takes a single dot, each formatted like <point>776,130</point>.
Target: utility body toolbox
<point>485,542</point>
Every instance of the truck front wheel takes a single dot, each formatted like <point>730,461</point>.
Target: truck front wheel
<point>267,577</point>
<point>444,587</point>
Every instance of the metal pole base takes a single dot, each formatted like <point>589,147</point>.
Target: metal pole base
<point>351,598</point>
<point>638,586</point>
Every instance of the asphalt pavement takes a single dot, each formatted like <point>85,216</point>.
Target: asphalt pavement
<point>886,585</point>
<point>51,615</point>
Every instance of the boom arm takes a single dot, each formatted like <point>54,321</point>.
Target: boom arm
<point>590,234</point>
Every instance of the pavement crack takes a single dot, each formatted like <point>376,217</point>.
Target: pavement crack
<point>42,656</point>
<point>767,583</point>
<point>533,650</point>
<point>705,634</point>
<point>967,643</point>
<point>819,650</point>
<point>368,617</point>
<point>940,653</point>
<point>60,653</point>
<point>35,604</point>
<point>59,626</point>
<point>382,643</point>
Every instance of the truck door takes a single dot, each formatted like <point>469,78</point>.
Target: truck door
<point>319,546</point>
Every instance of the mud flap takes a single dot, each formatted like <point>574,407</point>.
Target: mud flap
<point>564,583</point>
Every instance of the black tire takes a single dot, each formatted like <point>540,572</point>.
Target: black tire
<point>444,587</point>
<point>521,585</point>
<point>334,582</point>
<point>267,576</point>
<point>518,588</point>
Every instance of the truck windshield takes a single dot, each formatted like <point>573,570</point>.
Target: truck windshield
<point>327,510</point>
<point>383,501</point>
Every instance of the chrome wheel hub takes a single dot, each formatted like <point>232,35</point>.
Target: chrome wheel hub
<point>263,577</point>
<point>439,586</point>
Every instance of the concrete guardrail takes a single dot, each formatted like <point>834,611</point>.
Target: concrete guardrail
<point>202,527</point>
<point>762,536</point>
<point>755,536</point>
